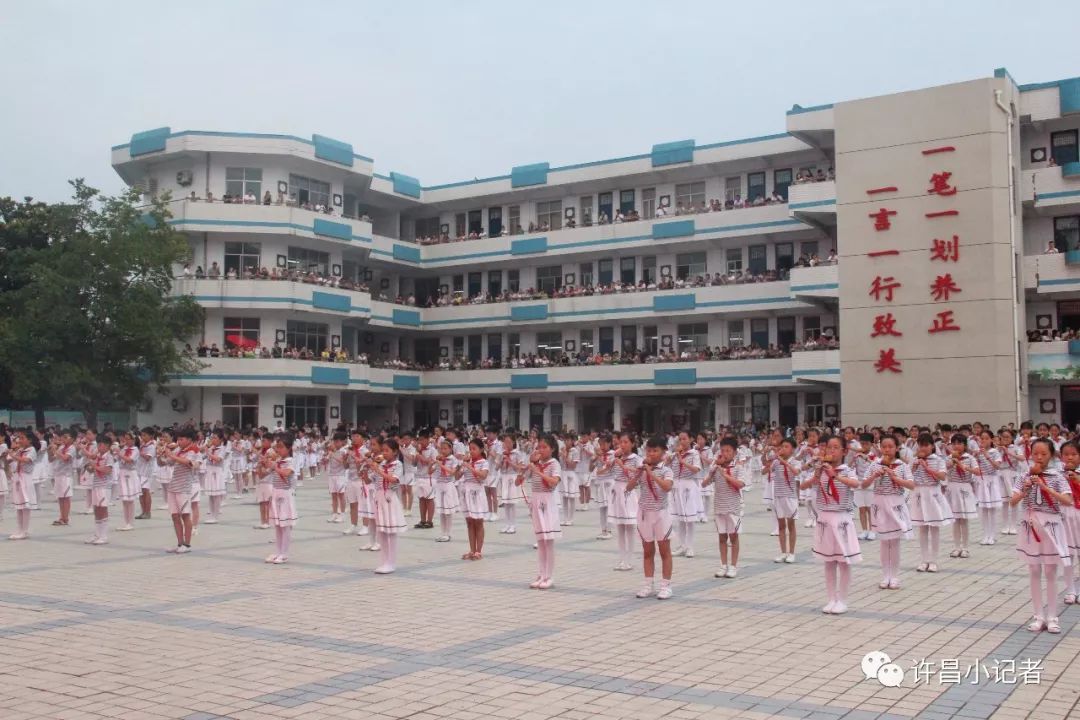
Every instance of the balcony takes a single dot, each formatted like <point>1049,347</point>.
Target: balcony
<point>815,283</point>
<point>1052,274</point>
<point>814,202</point>
<point>201,216</point>
<point>275,295</point>
<point>1052,190</point>
<point>1056,361</point>
<point>690,377</point>
<point>816,366</point>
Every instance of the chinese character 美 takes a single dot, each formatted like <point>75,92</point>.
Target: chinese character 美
<point>881,219</point>
<point>885,325</point>
<point>887,361</point>
<point>883,285</point>
<point>950,672</point>
<point>944,322</point>
<point>943,287</point>
<point>946,250</point>
<point>939,184</point>
<point>1031,671</point>
<point>924,670</point>
<point>1004,671</point>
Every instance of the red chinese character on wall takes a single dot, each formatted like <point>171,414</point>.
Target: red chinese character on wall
<point>943,287</point>
<point>939,184</point>
<point>881,219</point>
<point>883,286</point>
<point>885,325</point>
<point>944,322</point>
<point>946,250</point>
<point>887,361</point>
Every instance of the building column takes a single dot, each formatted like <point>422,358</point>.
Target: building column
<point>616,415</point>
<point>523,414</point>
<point>569,409</point>
<point>720,411</point>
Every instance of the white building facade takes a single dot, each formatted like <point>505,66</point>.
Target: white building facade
<point>709,265</point>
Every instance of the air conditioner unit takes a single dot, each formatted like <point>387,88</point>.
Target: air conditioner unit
<point>183,178</point>
<point>179,403</point>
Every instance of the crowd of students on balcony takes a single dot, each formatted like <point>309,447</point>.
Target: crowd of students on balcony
<point>803,177</point>
<point>284,274</point>
<point>249,198</point>
<point>1053,335</point>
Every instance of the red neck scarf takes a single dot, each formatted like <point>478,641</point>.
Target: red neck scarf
<point>648,480</point>
<point>829,488</point>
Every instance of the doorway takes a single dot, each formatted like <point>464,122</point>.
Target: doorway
<point>1070,406</point>
<point>494,222</point>
<point>789,409</point>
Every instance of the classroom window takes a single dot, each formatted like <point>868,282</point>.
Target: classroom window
<point>549,213</point>
<point>307,261</point>
<point>476,351</point>
<point>689,265</point>
<point>242,332</point>
<point>691,195</point>
<point>815,407</point>
<point>460,224</point>
<point>514,341</point>
<point>242,181</point>
<point>549,279</point>
<point>1063,147</point>
<point>494,283</point>
<point>759,332</point>
<point>494,346</point>
<point>629,339</point>
<point>627,270</point>
<point>241,256</point>
<point>427,227</point>
<point>556,417</point>
<point>626,201</point>
<point>1067,233</point>
<point>811,327</point>
<point>755,186</point>
<point>476,283</point>
<point>651,340</point>
<point>732,189</point>
<point>735,333</point>
<point>549,344</point>
<point>513,217</point>
<point>586,209</point>
<point>693,335</point>
<point>585,342</point>
<point>810,248</point>
<point>458,283</point>
<point>734,260</point>
<point>536,415</point>
<point>513,280</point>
<point>585,276</point>
<point>495,416</point>
<point>648,269</point>
<point>240,410</point>
<point>785,332</point>
<point>759,408</point>
<point>307,191</point>
<point>648,203</point>
<point>737,408</point>
<point>607,340</point>
<point>459,412</point>
<point>605,272</point>
<point>758,259</point>
<point>781,182</point>
<point>785,256</point>
<point>300,334</point>
<point>303,410</point>
<point>476,411</point>
<point>459,348</point>
<point>513,411</point>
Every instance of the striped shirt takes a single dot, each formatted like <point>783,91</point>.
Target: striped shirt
<point>184,475</point>
<point>337,465</point>
<point>988,460</point>
<point>395,469</point>
<point>469,468</point>
<point>266,477</point>
<point>283,483</point>
<point>784,478</point>
<point>63,464</point>
<point>103,470</point>
<point>960,470</point>
<point>585,456</point>
<point>727,499</point>
<point>424,459</point>
<point>444,469</point>
<point>632,462</point>
<point>833,495</point>
<point>536,482</point>
<point>1035,498</point>
<point>652,496</point>
<point>883,484</point>
<point>147,455</point>
<point>605,466</point>
<point>919,472</point>
<point>687,465</point>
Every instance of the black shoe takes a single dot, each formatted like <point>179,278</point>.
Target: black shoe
<point>420,526</point>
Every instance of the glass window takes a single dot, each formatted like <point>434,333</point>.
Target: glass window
<point>815,407</point>
<point>785,332</point>
<point>549,279</point>
<point>514,340</point>
<point>691,195</point>
<point>755,186</point>
<point>604,206</point>
<point>732,189</point>
<point>300,334</point>
<point>585,342</point>
<point>693,335</point>
<point>689,265</point>
<point>427,227</point>
<point>476,222</point>
<point>735,333</point>
<point>536,416</point>
<point>758,259</point>
<point>495,411</point>
<point>241,256</point>
<point>513,411</point>
<point>1063,147</point>
<point>759,332</point>
<point>785,256</point>
<point>626,201</point>
<point>734,260</point>
<point>459,347</point>
<point>549,214</point>
<point>460,225</point>
<point>476,283</point>
<point>242,332</point>
<point>586,210</point>
<point>476,352</point>
<point>585,277</point>
<point>306,191</point>
<point>811,327</point>
<point>1067,233</point>
<point>549,344</point>
<point>240,410</point>
<point>513,215</point>
<point>629,339</point>
<point>607,340</point>
<point>759,408</point>
<point>495,226</point>
<point>648,269</point>
<point>556,417</point>
<point>494,346</point>
<point>459,412</point>
<point>303,410</point>
<point>627,270</point>
<point>307,261</point>
<point>737,408</point>
<point>810,248</point>
<point>476,411</point>
<point>458,283</point>
<point>494,283</point>
<point>648,203</point>
<point>781,182</point>
<point>652,340</point>
<point>605,272</point>
<point>513,280</point>
<point>243,181</point>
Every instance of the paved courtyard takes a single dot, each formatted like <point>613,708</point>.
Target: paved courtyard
<point>126,631</point>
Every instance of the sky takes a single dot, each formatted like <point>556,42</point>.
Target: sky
<point>453,90</point>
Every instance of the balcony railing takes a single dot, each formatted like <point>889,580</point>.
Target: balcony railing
<point>1051,187</point>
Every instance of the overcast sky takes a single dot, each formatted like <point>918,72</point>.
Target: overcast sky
<point>449,91</point>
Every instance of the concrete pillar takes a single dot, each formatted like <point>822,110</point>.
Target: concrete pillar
<point>523,414</point>
<point>616,416</point>
<point>570,416</point>
<point>720,411</point>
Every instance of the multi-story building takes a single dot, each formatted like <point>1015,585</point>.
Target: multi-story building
<point>522,298</point>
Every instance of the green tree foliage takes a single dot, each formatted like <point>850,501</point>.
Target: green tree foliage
<point>87,319</point>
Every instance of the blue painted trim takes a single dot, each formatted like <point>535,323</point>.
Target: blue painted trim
<point>332,150</point>
<point>816,371</point>
<point>406,317</point>
<point>666,303</point>
<point>261,224</point>
<point>810,204</point>
<point>329,228</point>
<point>255,136</point>
<point>673,153</point>
<point>405,184</point>
<point>596,163</point>
<point>1069,96</point>
<point>529,312</point>
<point>1070,170</point>
<point>1053,195</point>
<point>678,228</point>
<point>148,141</point>
<point>408,253</point>
<point>1074,347</point>
<point>675,376</point>
<point>406,382</point>
<point>1072,257</point>
<point>528,246</point>
<point>329,376</point>
<point>746,141</point>
<point>1003,73</point>
<point>1059,281</point>
<point>746,301</point>
<point>529,381</point>
<point>331,301</point>
<point>799,109</point>
<point>528,175</point>
<point>819,286</point>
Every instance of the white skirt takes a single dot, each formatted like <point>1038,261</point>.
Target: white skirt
<point>492,479</point>
<point>1005,478</point>
<point>767,491</point>
<point>408,477</point>
<point>389,517</point>
<point>686,504</point>
<point>21,497</point>
<point>3,482</point>
<point>282,508</point>
<point>214,481</point>
<point>338,483</point>
<point>988,491</point>
<point>570,483</point>
<point>601,492</point>
<point>889,517</point>
<point>475,500</point>
<point>544,509</point>
<point>928,506</point>
<point>130,487</point>
<point>424,488</point>
<point>1072,527</point>
<point>509,492</point>
<point>864,497</point>
<point>623,506</point>
<point>961,498</point>
<point>1041,539</point>
<point>835,539</point>
<point>365,502</point>
<point>446,498</point>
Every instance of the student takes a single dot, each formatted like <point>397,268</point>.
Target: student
<point>930,510</point>
<point>103,478</point>
<point>22,455</point>
<point>542,476</point>
<point>586,454</point>
<point>835,539</point>
<point>283,513</point>
<point>603,481</point>
<point>366,507</point>
<point>988,485</point>
<point>386,471</point>
<point>446,494</point>
<point>355,490</point>
<point>889,476</point>
<point>1070,458</point>
<point>63,456</point>
<point>493,449</point>
<point>727,505</point>
<point>686,497</point>
<point>705,452</point>
<point>408,478</point>
<point>145,467</point>
<point>472,474</point>
<point>1041,542</point>
<point>654,519</point>
<point>569,458</point>
<point>961,470</point>
<point>423,485</point>
<point>162,468</point>
<point>860,457</point>
<point>5,442</point>
<point>511,462</point>
<point>237,463</point>
<point>214,478</point>
<point>130,486</point>
<point>184,459</point>
<point>782,474</point>
<point>337,472</point>
<point>1014,464</point>
<point>623,503</point>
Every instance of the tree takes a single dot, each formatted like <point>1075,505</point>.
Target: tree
<point>87,318</point>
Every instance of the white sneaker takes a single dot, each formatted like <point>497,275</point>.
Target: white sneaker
<point>503,529</point>
<point>237,497</point>
<point>808,524</point>
<point>1053,626</point>
<point>884,584</point>
<point>774,533</point>
<point>210,521</point>
<point>689,553</point>
<point>261,527</point>
<point>365,548</point>
<point>270,558</point>
<point>349,530</point>
<point>665,592</point>
<point>779,558</point>
<point>281,560</point>
<point>679,551</point>
<point>722,572</point>
<point>646,591</point>
<point>89,540</point>
<point>921,567</point>
<point>375,548</point>
<point>862,535</point>
<point>441,538</point>
<point>383,570</point>
<point>546,584</point>
<point>790,558</point>
<point>731,571</point>
<point>536,583</point>
<point>363,530</point>
<point>839,608</point>
<point>894,584</point>
<point>125,528</point>
<point>159,507</point>
<point>331,518</point>
<point>511,530</point>
<point>991,541</point>
<point>569,523</point>
<point>871,536</point>
<point>1037,624</point>
<point>338,519</point>
<point>828,609</point>
<point>173,550</point>
<point>183,550</point>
